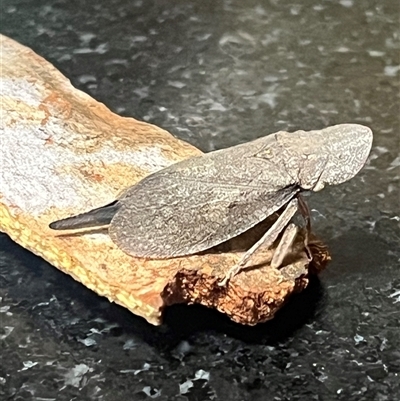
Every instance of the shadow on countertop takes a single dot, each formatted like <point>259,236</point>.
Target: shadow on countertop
<point>33,282</point>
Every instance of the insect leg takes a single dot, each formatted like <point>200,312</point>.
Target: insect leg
<point>284,245</point>
<point>266,240</point>
<point>305,212</point>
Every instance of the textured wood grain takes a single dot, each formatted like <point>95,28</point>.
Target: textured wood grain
<point>63,153</point>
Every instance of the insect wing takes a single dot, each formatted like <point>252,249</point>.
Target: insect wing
<point>166,216</point>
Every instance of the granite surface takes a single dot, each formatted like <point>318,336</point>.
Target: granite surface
<point>216,73</point>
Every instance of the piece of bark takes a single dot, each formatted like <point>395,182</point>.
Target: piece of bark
<point>64,153</point>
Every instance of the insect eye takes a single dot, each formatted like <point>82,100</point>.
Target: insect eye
<point>264,154</point>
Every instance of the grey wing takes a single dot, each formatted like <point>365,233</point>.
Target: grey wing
<point>165,217</point>
<point>200,202</point>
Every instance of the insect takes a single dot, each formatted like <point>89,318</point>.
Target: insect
<point>200,202</point>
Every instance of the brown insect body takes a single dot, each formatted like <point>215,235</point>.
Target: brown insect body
<point>203,201</point>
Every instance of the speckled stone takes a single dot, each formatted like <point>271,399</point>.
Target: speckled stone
<point>216,74</point>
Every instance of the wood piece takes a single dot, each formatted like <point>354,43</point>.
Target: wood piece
<point>63,153</point>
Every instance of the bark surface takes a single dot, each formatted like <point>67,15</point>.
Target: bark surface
<point>63,153</point>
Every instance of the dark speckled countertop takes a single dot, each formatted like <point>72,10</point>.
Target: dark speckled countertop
<point>216,73</point>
